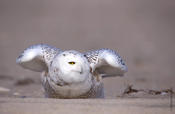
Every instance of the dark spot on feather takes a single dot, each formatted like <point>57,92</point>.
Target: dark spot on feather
<point>94,59</point>
<point>90,69</point>
<point>56,70</point>
<point>20,56</point>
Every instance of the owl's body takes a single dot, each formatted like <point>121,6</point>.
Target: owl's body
<point>71,74</point>
<point>88,89</point>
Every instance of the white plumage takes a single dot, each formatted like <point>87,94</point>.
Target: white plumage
<point>71,74</point>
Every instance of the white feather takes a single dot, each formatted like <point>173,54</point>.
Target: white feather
<point>37,57</point>
<point>106,62</point>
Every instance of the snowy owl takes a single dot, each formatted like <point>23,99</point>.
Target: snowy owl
<point>69,73</point>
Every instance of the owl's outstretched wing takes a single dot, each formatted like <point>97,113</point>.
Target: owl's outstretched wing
<point>106,62</point>
<point>37,57</point>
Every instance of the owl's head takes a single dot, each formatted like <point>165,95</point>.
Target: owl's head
<point>69,66</point>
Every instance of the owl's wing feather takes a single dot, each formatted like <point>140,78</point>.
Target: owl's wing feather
<point>37,57</point>
<point>106,62</point>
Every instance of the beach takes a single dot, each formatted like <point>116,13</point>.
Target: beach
<point>85,106</point>
<point>142,32</point>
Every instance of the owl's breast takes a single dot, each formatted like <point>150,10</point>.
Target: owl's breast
<point>87,89</point>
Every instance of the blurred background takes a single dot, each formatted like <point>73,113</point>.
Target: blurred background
<point>141,31</point>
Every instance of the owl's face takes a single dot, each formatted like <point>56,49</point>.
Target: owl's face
<point>69,67</point>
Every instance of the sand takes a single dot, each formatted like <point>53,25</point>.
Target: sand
<point>142,32</point>
<point>85,106</point>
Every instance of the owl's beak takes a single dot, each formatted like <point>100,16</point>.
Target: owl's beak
<point>79,69</point>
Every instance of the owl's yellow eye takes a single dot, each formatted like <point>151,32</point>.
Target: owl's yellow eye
<point>72,63</point>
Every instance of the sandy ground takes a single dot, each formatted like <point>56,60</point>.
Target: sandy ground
<point>82,106</point>
<point>141,31</point>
